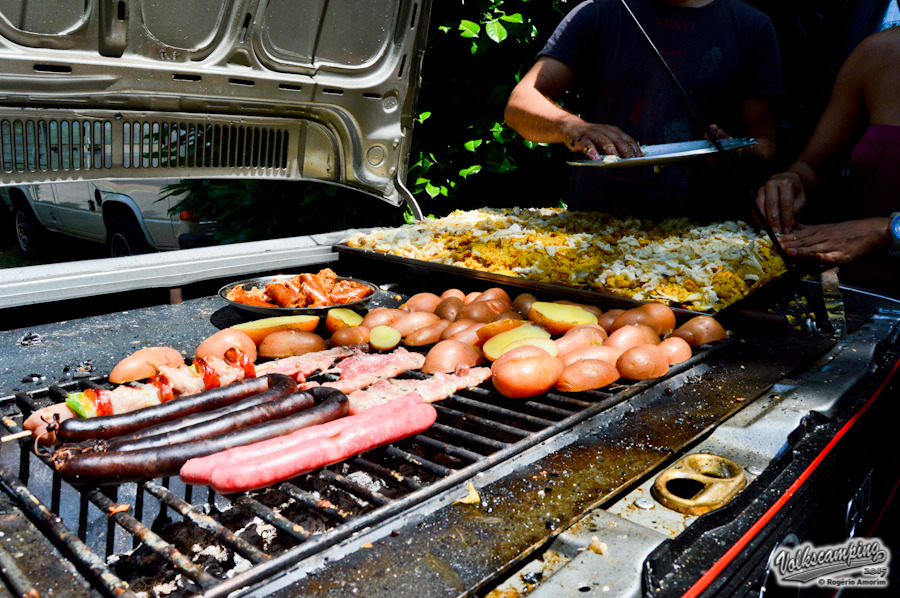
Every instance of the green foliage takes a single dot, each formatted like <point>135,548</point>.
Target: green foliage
<point>463,154</point>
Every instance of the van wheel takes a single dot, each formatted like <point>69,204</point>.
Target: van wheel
<point>28,231</point>
<point>124,237</point>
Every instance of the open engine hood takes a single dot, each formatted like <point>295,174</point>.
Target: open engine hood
<point>101,89</point>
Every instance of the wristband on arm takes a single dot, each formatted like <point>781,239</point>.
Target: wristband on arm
<point>894,229</point>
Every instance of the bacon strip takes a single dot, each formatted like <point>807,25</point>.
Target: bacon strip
<point>436,388</point>
<point>301,366</point>
<point>360,371</point>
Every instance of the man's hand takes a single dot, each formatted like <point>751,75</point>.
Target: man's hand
<point>837,243</point>
<point>596,140</point>
<point>781,199</point>
<point>719,133</point>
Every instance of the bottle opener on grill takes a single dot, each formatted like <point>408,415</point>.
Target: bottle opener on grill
<point>699,483</point>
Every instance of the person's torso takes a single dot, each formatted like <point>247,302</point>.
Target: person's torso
<point>875,165</point>
<point>620,81</point>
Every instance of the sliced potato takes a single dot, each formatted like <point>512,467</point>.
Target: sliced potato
<point>497,326</point>
<point>384,338</point>
<point>559,318</point>
<point>341,317</point>
<point>260,329</point>
<point>493,347</point>
<point>591,308</point>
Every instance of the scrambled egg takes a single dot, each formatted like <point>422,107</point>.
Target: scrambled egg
<point>674,261</point>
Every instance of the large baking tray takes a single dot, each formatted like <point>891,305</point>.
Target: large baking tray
<point>775,288</point>
<point>666,153</point>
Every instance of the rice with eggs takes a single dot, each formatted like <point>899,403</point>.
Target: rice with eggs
<point>674,261</point>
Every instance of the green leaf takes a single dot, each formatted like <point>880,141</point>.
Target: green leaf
<point>469,29</point>
<point>514,18</point>
<point>495,31</point>
<point>423,116</point>
<point>472,145</point>
<point>465,172</point>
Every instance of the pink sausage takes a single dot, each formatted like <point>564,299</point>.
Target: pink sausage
<point>37,421</point>
<point>199,471</point>
<point>313,454</point>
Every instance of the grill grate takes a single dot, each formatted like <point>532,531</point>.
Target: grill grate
<point>476,429</point>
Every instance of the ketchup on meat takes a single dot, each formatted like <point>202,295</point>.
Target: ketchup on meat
<point>210,377</point>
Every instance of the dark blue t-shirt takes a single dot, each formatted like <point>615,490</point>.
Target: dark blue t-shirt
<point>721,53</point>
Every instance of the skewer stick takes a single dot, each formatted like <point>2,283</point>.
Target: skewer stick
<point>16,436</point>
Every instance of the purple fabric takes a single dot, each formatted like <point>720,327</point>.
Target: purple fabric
<point>875,164</point>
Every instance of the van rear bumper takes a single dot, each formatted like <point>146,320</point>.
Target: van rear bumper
<point>192,240</point>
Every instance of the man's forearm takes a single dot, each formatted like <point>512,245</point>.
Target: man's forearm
<point>536,118</point>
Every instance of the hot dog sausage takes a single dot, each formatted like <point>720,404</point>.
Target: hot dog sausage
<point>199,471</point>
<point>313,454</point>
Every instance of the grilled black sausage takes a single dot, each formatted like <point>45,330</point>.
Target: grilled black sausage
<point>108,426</point>
<point>79,467</point>
<point>232,421</point>
<point>215,420</point>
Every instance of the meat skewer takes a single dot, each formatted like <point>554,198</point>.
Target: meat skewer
<point>124,399</point>
<point>168,383</point>
<point>78,466</point>
<point>109,426</point>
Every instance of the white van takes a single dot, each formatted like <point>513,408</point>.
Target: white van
<point>129,216</point>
